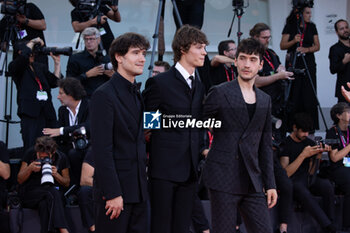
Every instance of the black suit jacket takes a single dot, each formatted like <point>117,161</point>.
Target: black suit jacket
<point>174,151</point>
<point>118,143</point>
<point>83,120</point>
<point>27,86</point>
<point>240,146</point>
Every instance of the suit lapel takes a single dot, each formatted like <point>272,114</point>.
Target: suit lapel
<point>181,78</point>
<point>235,98</point>
<point>123,96</point>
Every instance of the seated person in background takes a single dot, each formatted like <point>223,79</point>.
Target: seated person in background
<point>88,65</point>
<point>34,82</point>
<point>4,174</point>
<point>72,115</point>
<point>85,194</point>
<point>46,197</point>
<point>160,67</point>
<point>339,170</point>
<point>299,158</point>
<point>222,68</point>
<point>82,19</point>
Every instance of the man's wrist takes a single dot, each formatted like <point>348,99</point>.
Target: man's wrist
<point>26,22</point>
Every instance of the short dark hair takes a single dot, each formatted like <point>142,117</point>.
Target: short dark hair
<point>72,87</point>
<point>258,28</point>
<point>303,121</point>
<point>162,63</point>
<point>74,2</point>
<point>338,108</point>
<point>223,46</point>
<point>123,43</point>
<point>338,21</point>
<point>251,46</point>
<point>184,38</point>
<point>45,144</point>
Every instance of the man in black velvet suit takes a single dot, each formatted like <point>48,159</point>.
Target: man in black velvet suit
<point>239,165</point>
<point>72,115</point>
<point>174,152</point>
<point>118,144</point>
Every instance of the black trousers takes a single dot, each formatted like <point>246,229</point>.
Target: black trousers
<point>285,193</point>
<point>304,195</point>
<point>341,177</point>
<point>48,201</point>
<point>86,205</point>
<point>76,158</point>
<point>199,220</point>
<point>191,12</point>
<point>252,207</point>
<point>133,219</point>
<point>171,205</point>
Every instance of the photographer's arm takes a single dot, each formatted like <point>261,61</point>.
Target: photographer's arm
<point>220,59</point>
<point>38,24</point>
<point>25,171</point>
<point>80,26</point>
<point>285,44</point>
<point>4,170</point>
<point>114,14</point>
<point>261,81</point>
<point>63,179</point>
<point>336,155</point>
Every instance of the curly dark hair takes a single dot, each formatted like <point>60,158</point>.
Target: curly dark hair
<point>72,87</point>
<point>123,43</point>
<point>338,109</point>
<point>45,144</point>
<point>184,38</point>
<point>303,121</point>
<point>258,28</point>
<point>251,46</point>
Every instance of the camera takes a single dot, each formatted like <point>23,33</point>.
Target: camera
<point>46,170</point>
<point>238,3</point>
<point>12,7</point>
<point>80,139</point>
<point>91,6</point>
<point>37,49</point>
<point>327,141</point>
<point>99,58</point>
<point>300,4</point>
<point>296,72</point>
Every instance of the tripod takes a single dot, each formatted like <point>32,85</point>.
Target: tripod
<point>299,54</point>
<point>239,13</point>
<point>11,34</point>
<point>156,31</point>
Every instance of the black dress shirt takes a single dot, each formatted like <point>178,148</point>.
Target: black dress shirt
<point>79,64</point>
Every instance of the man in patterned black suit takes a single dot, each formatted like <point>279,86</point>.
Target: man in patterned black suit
<point>239,166</point>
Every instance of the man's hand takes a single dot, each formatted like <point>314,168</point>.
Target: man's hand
<point>346,93</point>
<point>205,153</point>
<point>271,198</point>
<point>303,50</point>
<point>96,71</point>
<point>286,75</point>
<point>311,150</point>
<point>34,41</point>
<point>56,59</point>
<point>346,58</point>
<point>109,73</point>
<point>35,166</point>
<point>51,132</point>
<point>114,207</point>
<point>54,171</point>
<point>102,20</point>
<point>297,38</point>
<point>21,18</point>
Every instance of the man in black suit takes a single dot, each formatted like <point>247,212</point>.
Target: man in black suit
<point>118,144</point>
<point>72,116</point>
<point>34,82</point>
<point>239,165</point>
<point>174,151</point>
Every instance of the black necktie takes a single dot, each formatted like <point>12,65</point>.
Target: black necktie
<point>192,81</point>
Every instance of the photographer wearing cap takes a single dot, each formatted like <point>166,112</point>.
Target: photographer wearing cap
<point>46,198</point>
<point>72,115</point>
<point>81,19</point>
<point>299,157</point>
<point>89,65</point>
<point>339,57</point>
<point>339,170</point>
<point>34,82</point>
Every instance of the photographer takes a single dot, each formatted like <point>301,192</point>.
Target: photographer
<point>299,158</point>
<point>81,20</point>
<point>30,23</point>
<point>88,65</point>
<point>47,198</point>
<point>72,115</point>
<point>301,37</point>
<point>4,174</point>
<point>339,170</point>
<point>339,57</point>
<point>34,82</point>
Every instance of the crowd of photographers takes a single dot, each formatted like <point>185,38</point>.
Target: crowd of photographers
<point>50,167</point>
